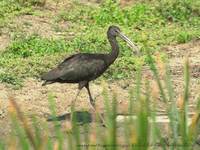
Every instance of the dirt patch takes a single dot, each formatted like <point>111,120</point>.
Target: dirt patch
<point>124,3</point>
<point>43,26</point>
<point>190,49</point>
<point>33,99</point>
<point>4,41</point>
<point>178,55</point>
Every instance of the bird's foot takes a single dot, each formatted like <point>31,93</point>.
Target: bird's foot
<point>100,117</point>
<point>102,121</point>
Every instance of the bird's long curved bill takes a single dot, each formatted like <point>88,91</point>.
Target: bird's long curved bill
<point>130,43</point>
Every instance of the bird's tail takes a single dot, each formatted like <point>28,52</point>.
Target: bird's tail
<point>44,83</point>
<point>47,82</point>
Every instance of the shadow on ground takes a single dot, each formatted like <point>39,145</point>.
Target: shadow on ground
<point>81,117</point>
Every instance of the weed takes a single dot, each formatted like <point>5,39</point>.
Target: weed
<point>183,37</point>
<point>10,79</point>
<point>10,9</point>
<point>178,10</point>
<point>35,45</point>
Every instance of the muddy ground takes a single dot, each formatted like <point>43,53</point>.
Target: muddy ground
<point>33,98</point>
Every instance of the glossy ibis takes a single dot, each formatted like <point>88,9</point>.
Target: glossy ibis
<point>81,68</point>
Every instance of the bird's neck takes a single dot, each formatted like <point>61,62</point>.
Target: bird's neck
<point>115,50</point>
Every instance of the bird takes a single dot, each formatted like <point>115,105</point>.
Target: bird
<point>82,68</point>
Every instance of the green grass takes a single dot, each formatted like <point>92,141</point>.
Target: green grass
<point>151,25</point>
<point>178,10</point>
<point>10,9</point>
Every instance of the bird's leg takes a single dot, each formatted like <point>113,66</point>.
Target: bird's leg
<point>73,105</point>
<point>93,103</point>
<point>80,86</point>
<point>90,96</point>
<point>74,101</point>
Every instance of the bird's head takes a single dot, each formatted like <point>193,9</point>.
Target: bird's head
<point>114,31</point>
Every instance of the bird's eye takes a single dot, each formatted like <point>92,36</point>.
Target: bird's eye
<point>116,31</point>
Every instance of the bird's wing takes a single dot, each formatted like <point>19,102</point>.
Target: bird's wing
<point>77,68</point>
<point>56,72</point>
<point>81,67</point>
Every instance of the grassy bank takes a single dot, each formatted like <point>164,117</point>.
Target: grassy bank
<point>151,25</point>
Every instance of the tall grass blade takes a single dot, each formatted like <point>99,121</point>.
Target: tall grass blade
<point>138,83</point>
<point>107,107</point>
<point>2,146</point>
<point>110,118</point>
<point>162,93</point>
<point>107,115</point>
<point>58,132</point>
<point>24,143</point>
<point>128,122</point>
<point>113,129</point>
<point>184,111</point>
<point>75,129</point>
<point>194,126</point>
<point>49,145</point>
<point>156,75</point>
<point>131,102</point>
<point>86,134</point>
<point>172,109</point>
<point>24,122</point>
<point>37,132</point>
<point>143,124</point>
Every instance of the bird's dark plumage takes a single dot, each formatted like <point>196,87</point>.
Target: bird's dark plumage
<point>83,67</point>
<point>77,68</point>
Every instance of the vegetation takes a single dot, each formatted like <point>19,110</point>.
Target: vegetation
<point>151,25</point>
<point>144,132</point>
